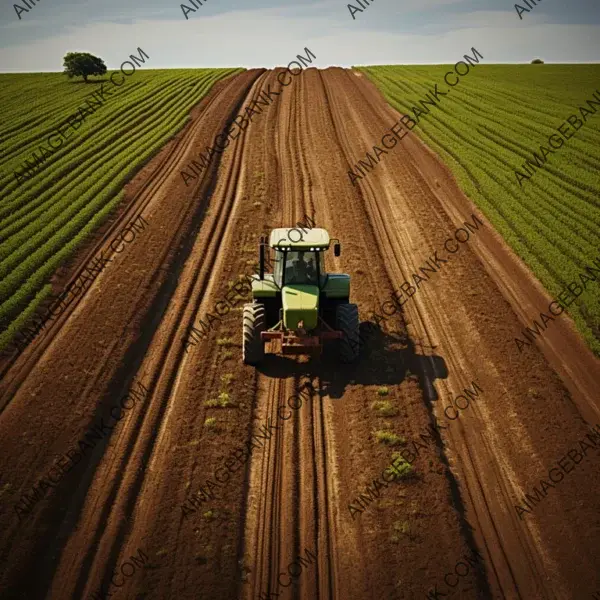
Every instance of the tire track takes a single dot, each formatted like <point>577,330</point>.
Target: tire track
<point>505,541</point>
<point>166,354</point>
<point>279,529</point>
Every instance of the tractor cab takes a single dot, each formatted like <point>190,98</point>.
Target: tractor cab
<point>299,305</point>
<point>301,261</point>
<point>298,266</point>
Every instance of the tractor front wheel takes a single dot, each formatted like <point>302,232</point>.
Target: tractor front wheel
<point>254,322</point>
<point>346,317</point>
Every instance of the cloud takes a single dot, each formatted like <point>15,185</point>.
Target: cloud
<point>268,38</point>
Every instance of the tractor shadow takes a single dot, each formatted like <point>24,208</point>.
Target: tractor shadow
<point>385,359</point>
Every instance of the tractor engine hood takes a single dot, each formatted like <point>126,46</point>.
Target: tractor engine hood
<point>300,303</point>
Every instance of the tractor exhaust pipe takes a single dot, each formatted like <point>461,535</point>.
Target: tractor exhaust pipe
<point>261,259</point>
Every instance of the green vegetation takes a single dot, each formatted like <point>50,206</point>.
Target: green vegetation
<point>401,528</point>
<point>5,488</point>
<point>210,423</point>
<point>222,401</point>
<point>384,408</point>
<point>402,469</point>
<point>486,128</point>
<point>227,378</point>
<point>46,218</point>
<point>389,438</point>
<point>383,391</point>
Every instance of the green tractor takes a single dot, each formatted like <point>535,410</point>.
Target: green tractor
<point>299,305</point>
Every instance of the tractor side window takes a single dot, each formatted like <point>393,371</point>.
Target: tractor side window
<point>278,269</point>
<point>300,267</point>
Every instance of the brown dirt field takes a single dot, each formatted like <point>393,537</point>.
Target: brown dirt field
<point>294,493</point>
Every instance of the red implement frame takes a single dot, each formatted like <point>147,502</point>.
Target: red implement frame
<point>298,342</point>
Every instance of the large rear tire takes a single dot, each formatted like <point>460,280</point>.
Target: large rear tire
<point>346,318</point>
<point>253,323</point>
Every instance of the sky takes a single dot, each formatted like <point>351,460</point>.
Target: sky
<point>269,33</point>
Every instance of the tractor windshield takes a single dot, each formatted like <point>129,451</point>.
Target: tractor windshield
<point>300,267</point>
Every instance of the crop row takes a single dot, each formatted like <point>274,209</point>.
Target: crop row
<point>105,143</point>
<point>46,218</point>
<point>487,127</point>
<point>42,229</point>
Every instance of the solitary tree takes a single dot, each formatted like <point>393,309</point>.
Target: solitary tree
<point>83,64</point>
<point>537,61</point>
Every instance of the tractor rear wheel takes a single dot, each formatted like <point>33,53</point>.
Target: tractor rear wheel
<point>253,323</point>
<point>346,318</point>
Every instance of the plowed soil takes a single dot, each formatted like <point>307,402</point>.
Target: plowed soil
<point>293,493</point>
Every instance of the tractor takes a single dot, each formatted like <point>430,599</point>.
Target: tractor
<point>299,306</point>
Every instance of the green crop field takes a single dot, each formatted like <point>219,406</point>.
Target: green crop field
<point>487,126</point>
<point>45,218</point>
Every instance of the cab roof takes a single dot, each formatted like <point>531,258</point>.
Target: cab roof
<point>295,237</point>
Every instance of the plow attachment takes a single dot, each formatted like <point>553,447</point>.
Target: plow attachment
<point>299,342</point>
